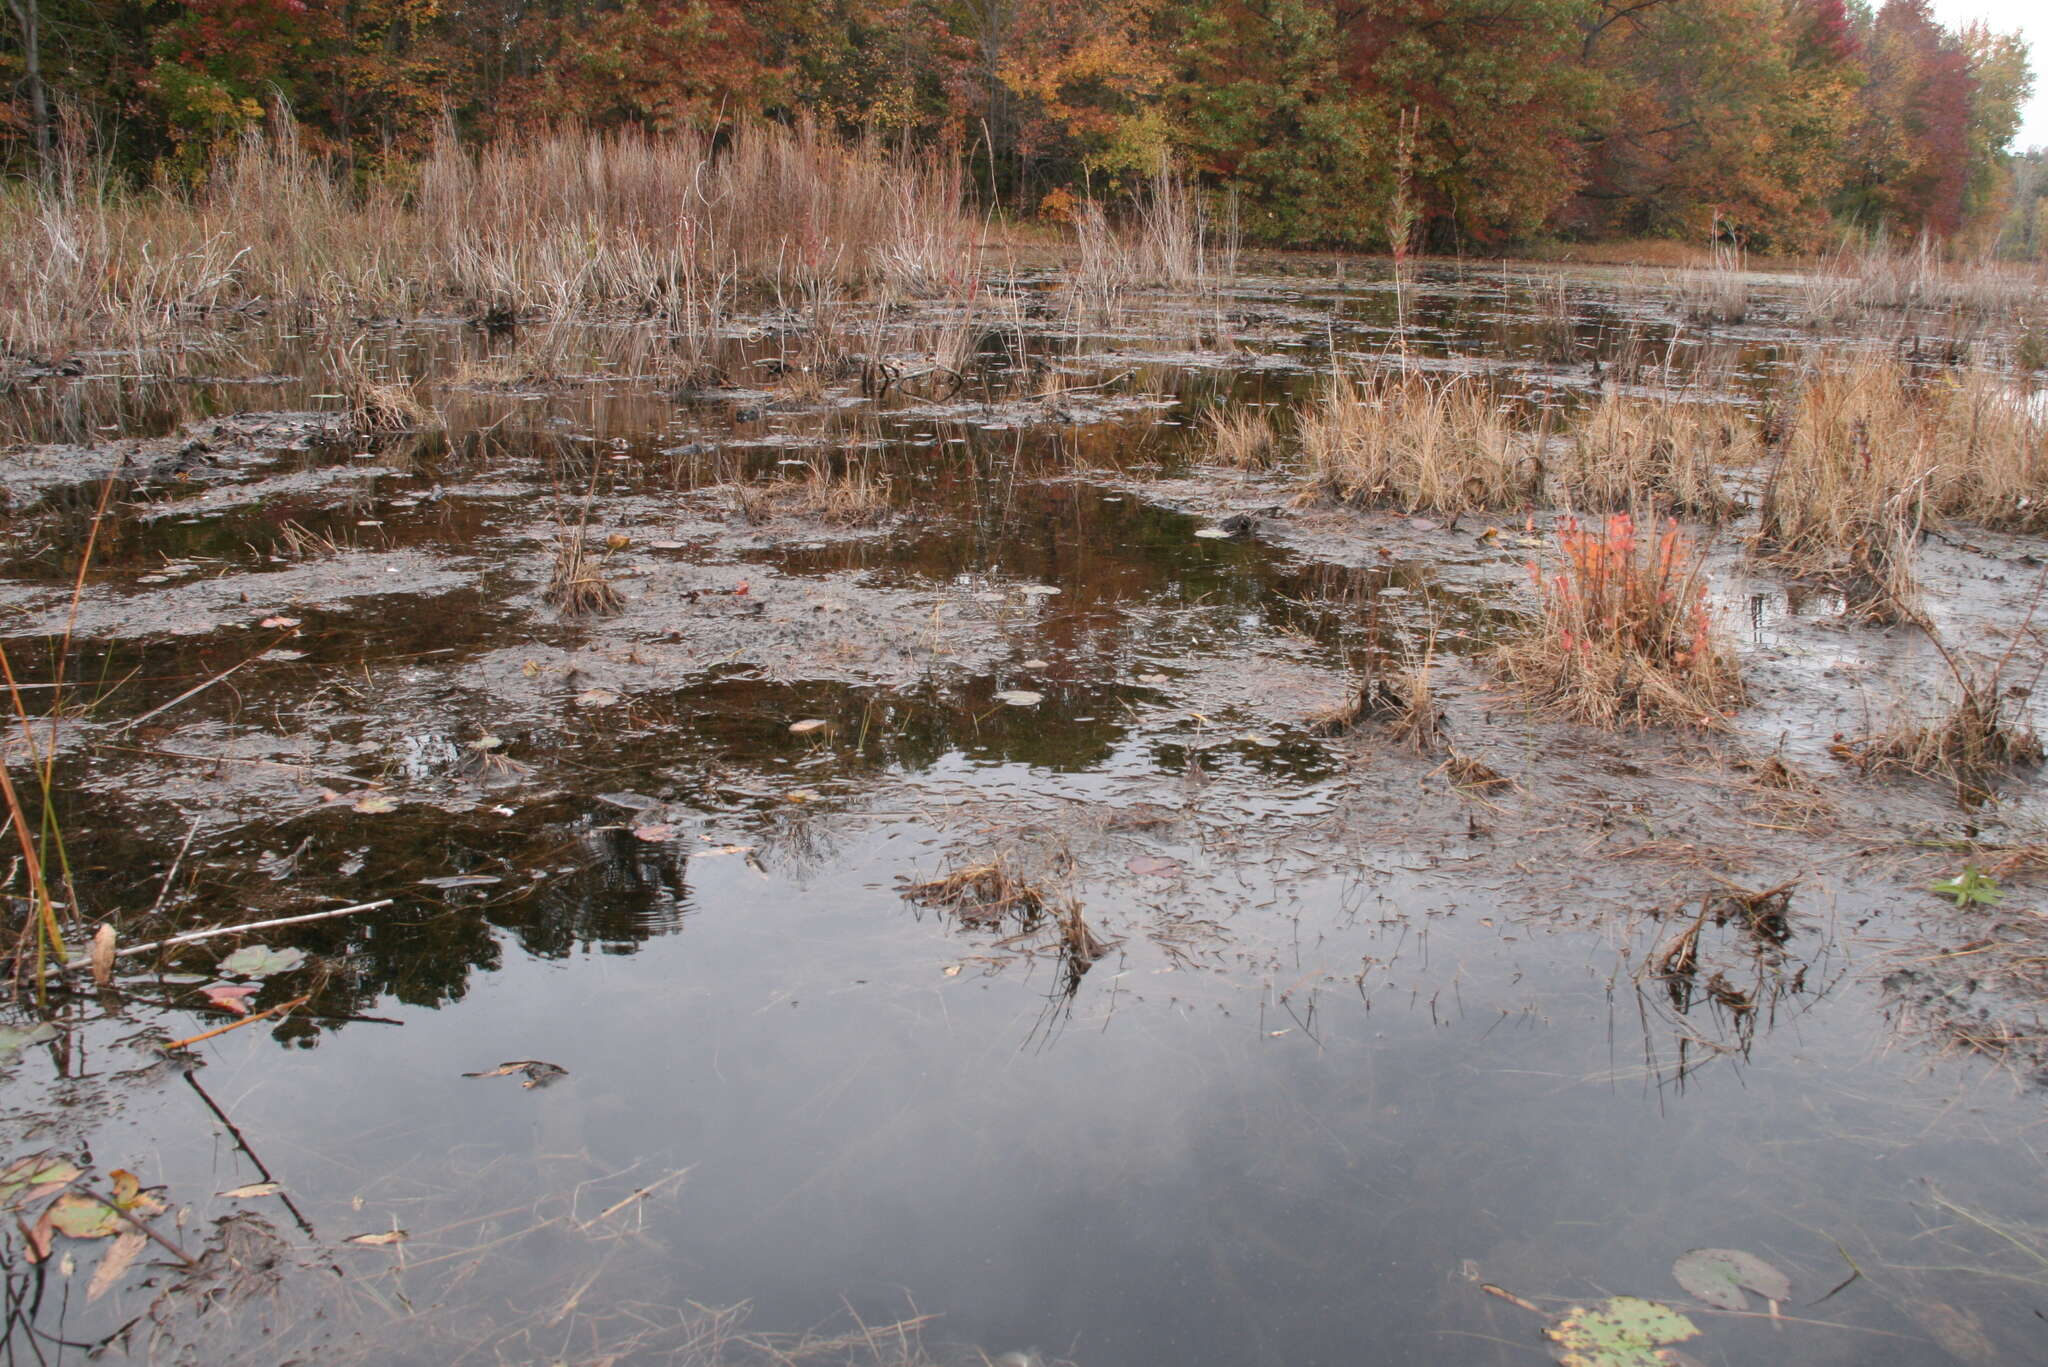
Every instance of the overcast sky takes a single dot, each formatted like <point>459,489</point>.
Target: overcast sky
<point>2030,19</point>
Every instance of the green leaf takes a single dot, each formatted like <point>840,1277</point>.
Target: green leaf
<point>1971,887</point>
<point>261,961</point>
<point>1625,1331</point>
<point>83,1217</point>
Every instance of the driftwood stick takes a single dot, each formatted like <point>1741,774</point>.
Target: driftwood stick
<point>216,931</point>
<point>264,1014</point>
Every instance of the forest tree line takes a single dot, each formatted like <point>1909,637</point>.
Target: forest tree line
<point>1776,123</point>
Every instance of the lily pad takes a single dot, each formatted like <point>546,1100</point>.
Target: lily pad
<point>1624,1331</point>
<point>1718,1276</point>
<point>261,961</point>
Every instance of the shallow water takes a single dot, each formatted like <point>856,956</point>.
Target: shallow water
<point>1361,1045</point>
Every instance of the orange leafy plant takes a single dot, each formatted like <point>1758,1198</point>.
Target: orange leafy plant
<point>1625,635</point>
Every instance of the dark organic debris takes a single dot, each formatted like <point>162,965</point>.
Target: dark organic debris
<point>537,1072</point>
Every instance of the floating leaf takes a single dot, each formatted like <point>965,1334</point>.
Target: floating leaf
<point>375,804</point>
<point>389,1236</point>
<point>1625,1331</point>
<point>84,1217</point>
<point>654,835</point>
<point>261,961</point>
<point>27,1179</point>
<point>116,1262</point>
<point>1422,524</point>
<point>1212,534</point>
<point>1153,679</point>
<point>1020,697</point>
<point>596,697</point>
<point>127,1188</point>
<point>230,997</point>
<point>808,725</point>
<point>1718,1276</point>
<point>1037,664</point>
<point>252,1191</point>
<point>1153,866</point>
<point>278,623</point>
<point>1038,590</point>
<point>13,1039</point>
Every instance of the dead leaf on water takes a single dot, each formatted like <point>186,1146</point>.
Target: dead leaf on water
<point>261,961</point>
<point>808,725</point>
<point>1212,534</point>
<point>655,834</point>
<point>1020,697</point>
<point>252,1191</point>
<point>374,804</point>
<point>389,1236</point>
<point>278,623</point>
<point>596,697</point>
<point>116,1262</point>
<point>1153,866</point>
<point>1719,1276</point>
<point>230,998</point>
<point>34,1177</point>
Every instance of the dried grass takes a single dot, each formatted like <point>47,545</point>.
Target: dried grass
<point>1624,635</point>
<point>1416,443</point>
<point>1241,438</point>
<point>1868,452</point>
<point>988,893</point>
<point>562,222</point>
<point>1672,452</point>
<point>577,586</point>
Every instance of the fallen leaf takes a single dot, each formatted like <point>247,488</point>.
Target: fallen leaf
<point>1212,534</point>
<point>1422,524</point>
<point>229,997</point>
<point>38,1237</point>
<point>261,961</point>
<point>1262,741</point>
<point>1153,866</point>
<point>953,970</point>
<point>36,1176</point>
<point>1038,664</point>
<point>1153,679</point>
<point>596,697</point>
<point>127,1188</point>
<point>278,623</point>
<point>252,1191</point>
<point>78,1216</point>
<point>102,955</point>
<point>1719,1275</point>
<point>1624,1331</point>
<point>1020,697</point>
<point>374,804</point>
<point>115,1263</point>
<point>389,1236</point>
<point>808,725</point>
<point>1038,590</point>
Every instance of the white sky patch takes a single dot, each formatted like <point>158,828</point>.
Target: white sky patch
<point>2028,18</point>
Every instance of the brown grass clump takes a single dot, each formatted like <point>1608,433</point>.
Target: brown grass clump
<point>1624,636</point>
<point>1868,453</point>
<point>1471,774</point>
<point>988,892</point>
<point>1671,452</point>
<point>854,496</point>
<point>1417,444</point>
<point>1241,438</point>
<point>1401,703</point>
<point>1980,735</point>
<point>577,587</point>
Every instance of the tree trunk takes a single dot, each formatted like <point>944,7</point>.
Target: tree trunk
<point>28,14</point>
